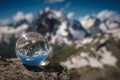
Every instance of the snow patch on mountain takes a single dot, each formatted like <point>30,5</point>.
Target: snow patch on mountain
<point>84,59</point>
<point>20,16</point>
<point>7,32</point>
<point>70,15</point>
<point>87,21</point>
<point>83,42</point>
<point>107,57</point>
<point>62,29</point>
<point>104,21</point>
<point>109,15</point>
<point>115,33</point>
<point>4,22</point>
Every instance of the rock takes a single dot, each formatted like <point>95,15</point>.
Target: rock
<point>14,69</point>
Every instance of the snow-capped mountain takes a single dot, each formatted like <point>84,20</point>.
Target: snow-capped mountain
<point>101,22</point>
<point>17,24</point>
<point>91,24</point>
<point>58,27</point>
<point>54,23</point>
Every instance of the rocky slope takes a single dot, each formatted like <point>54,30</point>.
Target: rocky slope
<point>13,69</point>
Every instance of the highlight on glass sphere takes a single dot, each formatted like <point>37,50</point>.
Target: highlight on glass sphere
<point>32,48</point>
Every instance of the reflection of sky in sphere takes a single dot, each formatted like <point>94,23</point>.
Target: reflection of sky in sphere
<point>32,48</point>
<point>34,60</point>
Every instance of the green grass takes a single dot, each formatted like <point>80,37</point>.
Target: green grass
<point>63,54</point>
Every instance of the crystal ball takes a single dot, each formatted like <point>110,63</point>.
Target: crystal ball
<point>32,48</point>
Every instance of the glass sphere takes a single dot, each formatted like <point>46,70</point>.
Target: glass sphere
<point>32,48</point>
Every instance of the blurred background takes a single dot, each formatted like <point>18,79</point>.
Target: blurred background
<point>84,35</point>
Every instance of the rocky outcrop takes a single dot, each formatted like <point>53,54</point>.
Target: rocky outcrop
<point>14,69</point>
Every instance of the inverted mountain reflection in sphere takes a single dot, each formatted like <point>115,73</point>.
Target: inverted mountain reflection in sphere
<point>32,48</point>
